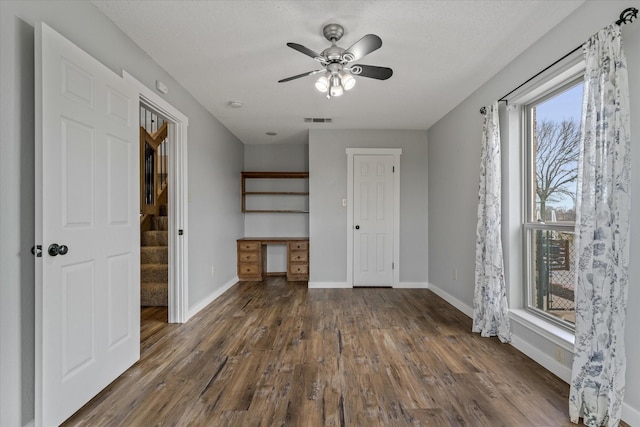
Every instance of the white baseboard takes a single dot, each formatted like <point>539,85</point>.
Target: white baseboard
<point>451,300</point>
<point>540,357</point>
<point>630,415</point>
<point>210,298</point>
<point>329,285</point>
<point>411,285</point>
<point>543,359</point>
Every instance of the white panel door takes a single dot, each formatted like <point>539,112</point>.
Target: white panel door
<point>373,229</point>
<point>87,299</point>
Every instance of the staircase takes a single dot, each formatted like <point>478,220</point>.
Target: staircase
<point>154,264</point>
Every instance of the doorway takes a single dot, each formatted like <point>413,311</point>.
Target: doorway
<point>154,212</point>
<point>177,207</point>
<point>373,194</point>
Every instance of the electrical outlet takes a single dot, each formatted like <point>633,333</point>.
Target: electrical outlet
<point>344,203</point>
<point>558,354</point>
<point>213,270</point>
<point>455,274</point>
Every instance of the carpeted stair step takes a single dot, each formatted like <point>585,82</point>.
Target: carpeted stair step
<point>154,255</point>
<point>160,223</point>
<point>155,238</point>
<point>154,268</point>
<point>154,294</point>
<point>150,273</point>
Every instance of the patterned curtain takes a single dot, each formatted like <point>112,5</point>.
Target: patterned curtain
<point>490,311</point>
<point>602,235</point>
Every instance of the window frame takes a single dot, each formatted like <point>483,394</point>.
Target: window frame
<point>529,224</point>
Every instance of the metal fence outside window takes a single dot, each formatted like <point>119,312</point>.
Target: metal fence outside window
<point>555,273</point>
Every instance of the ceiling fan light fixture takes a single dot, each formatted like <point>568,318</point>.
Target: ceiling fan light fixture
<point>336,90</point>
<point>348,82</point>
<point>322,84</point>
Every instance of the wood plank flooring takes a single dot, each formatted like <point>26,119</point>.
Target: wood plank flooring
<point>275,353</point>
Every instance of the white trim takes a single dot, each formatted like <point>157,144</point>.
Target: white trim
<point>395,152</point>
<point>451,300</point>
<point>519,343</point>
<point>329,285</point>
<point>211,297</point>
<point>177,200</point>
<point>543,328</point>
<point>528,321</point>
<point>565,70</point>
<point>412,285</point>
<point>557,336</point>
<point>630,415</point>
<point>542,358</point>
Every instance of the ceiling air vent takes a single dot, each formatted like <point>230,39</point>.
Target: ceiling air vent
<point>317,120</point>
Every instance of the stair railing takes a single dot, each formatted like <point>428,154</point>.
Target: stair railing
<point>153,170</point>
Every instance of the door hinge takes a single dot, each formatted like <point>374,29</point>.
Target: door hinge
<point>393,169</point>
<point>180,232</point>
<point>393,265</point>
<point>37,251</point>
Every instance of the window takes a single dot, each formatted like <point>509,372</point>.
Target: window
<point>552,124</point>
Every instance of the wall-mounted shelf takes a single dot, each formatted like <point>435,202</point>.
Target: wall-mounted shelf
<point>275,192</point>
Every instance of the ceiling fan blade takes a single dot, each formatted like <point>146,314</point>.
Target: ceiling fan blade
<point>310,73</point>
<point>371,71</point>
<point>362,47</point>
<point>306,51</point>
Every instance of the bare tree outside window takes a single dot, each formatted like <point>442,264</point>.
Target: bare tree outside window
<point>557,149</point>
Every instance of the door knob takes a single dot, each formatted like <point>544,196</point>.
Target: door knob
<point>55,249</point>
<point>357,227</point>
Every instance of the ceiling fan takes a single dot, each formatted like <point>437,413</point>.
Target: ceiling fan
<point>337,74</point>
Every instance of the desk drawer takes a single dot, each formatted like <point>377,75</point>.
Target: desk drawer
<point>301,245</point>
<point>299,270</point>
<point>248,246</point>
<point>248,270</point>
<point>299,256</point>
<point>248,257</point>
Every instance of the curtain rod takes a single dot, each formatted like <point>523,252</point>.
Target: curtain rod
<point>627,16</point>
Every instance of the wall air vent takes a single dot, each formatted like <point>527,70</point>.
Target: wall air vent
<point>317,120</point>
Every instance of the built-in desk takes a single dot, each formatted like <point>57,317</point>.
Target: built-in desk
<point>252,257</point>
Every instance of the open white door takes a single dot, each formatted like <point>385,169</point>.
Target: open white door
<point>87,289</point>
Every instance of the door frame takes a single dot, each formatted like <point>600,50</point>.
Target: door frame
<point>178,305</point>
<point>351,153</point>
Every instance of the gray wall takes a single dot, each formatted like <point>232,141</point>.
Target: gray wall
<point>215,159</point>
<point>328,186</point>
<point>454,152</point>
<point>276,158</point>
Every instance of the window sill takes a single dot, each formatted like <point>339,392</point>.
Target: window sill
<point>553,333</point>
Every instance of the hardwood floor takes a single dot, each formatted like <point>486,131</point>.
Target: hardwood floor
<point>275,353</point>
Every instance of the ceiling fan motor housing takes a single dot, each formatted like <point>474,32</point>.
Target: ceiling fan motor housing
<point>333,53</point>
<point>333,32</point>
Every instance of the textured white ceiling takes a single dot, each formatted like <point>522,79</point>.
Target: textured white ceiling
<point>440,52</point>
